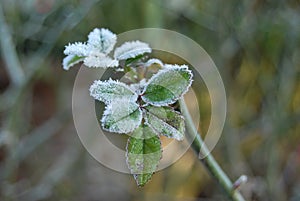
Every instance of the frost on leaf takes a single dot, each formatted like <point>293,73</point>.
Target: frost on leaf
<point>165,121</point>
<point>131,50</point>
<point>110,90</point>
<point>143,153</point>
<point>102,40</point>
<point>168,85</point>
<point>78,48</point>
<point>100,60</point>
<point>71,60</point>
<point>94,52</point>
<point>121,116</point>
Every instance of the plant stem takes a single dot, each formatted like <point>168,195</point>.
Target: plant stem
<point>209,161</point>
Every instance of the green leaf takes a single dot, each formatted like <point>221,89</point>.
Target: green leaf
<point>168,85</point>
<point>143,153</point>
<point>121,116</point>
<point>110,90</point>
<point>71,60</point>
<point>165,121</point>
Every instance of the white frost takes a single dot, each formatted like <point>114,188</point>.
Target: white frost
<point>101,61</point>
<point>176,66</point>
<point>102,39</point>
<point>110,90</point>
<point>67,61</point>
<point>131,50</point>
<point>77,48</point>
<point>100,43</point>
<point>153,61</point>
<point>121,116</point>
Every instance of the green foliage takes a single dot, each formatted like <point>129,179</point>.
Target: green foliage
<point>111,90</point>
<point>167,86</point>
<point>165,121</point>
<point>143,153</point>
<point>121,116</point>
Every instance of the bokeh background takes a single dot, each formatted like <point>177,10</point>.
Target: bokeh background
<point>256,47</point>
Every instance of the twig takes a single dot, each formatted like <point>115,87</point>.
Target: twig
<point>209,161</point>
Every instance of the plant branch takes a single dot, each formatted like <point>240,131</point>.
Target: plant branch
<point>209,161</point>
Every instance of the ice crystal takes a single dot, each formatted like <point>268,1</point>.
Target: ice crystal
<point>77,48</point>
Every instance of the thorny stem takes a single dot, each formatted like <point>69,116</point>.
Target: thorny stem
<point>209,161</point>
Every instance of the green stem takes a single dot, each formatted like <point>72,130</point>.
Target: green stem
<point>209,161</point>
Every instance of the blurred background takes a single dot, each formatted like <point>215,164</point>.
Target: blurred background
<point>256,47</point>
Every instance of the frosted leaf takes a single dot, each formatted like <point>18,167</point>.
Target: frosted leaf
<point>100,61</point>
<point>165,121</point>
<point>70,61</point>
<point>77,48</point>
<point>168,85</point>
<point>143,153</point>
<point>131,50</point>
<point>172,66</point>
<point>110,90</point>
<point>102,39</point>
<point>121,116</point>
<point>100,43</point>
<point>153,61</point>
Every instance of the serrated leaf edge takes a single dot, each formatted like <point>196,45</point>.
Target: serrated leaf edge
<point>106,112</point>
<point>135,175</point>
<point>147,123</point>
<point>66,61</point>
<point>134,96</point>
<point>166,68</point>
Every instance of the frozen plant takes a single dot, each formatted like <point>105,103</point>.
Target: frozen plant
<point>141,108</point>
<point>144,106</point>
<point>94,52</point>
